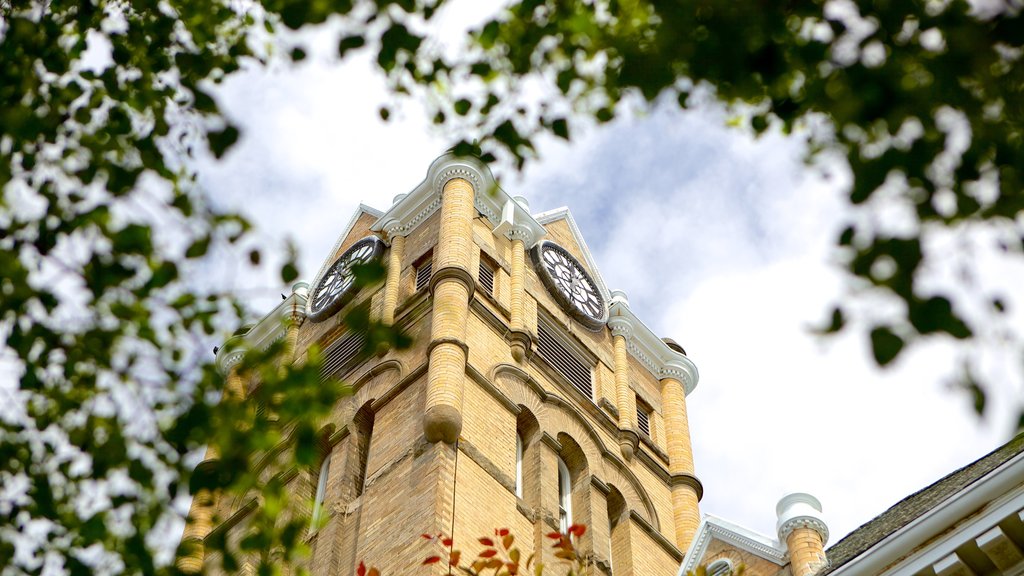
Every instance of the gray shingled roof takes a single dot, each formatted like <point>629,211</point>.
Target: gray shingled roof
<point>917,504</point>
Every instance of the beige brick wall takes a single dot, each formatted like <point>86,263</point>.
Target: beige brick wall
<point>648,556</point>
<point>409,481</point>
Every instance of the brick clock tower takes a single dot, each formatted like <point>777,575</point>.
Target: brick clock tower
<point>532,398</point>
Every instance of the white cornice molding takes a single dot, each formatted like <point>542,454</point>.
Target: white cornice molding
<point>270,329</point>
<point>714,528</point>
<point>800,510</point>
<point>644,345</point>
<point>506,216</point>
<point>998,493</point>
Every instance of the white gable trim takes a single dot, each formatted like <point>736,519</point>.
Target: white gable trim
<point>362,209</point>
<point>714,528</point>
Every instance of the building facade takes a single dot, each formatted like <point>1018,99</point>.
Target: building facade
<point>532,398</point>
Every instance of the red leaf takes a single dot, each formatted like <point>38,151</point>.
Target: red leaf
<point>577,530</point>
<point>427,536</point>
<point>447,542</point>
<point>555,535</point>
<point>501,532</point>
<point>361,571</point>
<point>432,560</point>
<point>486,541</point>
<point>506,541</point>
<point>488,553</point>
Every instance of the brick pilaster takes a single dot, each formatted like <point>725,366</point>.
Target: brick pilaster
<point>451,286</point>
<point>685,488</point>
<point>393,278</point>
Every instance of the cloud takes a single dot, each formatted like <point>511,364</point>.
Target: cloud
<point>722,242</point>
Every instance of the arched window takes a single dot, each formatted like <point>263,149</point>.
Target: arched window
<point>321,492</point>
<point>519,465</point>
<point>719,567</point>
<point>619,545</point>
<point>362,430</point>
<point>527,472</point>
<point>564,497</point>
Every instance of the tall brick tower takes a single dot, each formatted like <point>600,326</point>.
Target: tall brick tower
<point>532,398</point>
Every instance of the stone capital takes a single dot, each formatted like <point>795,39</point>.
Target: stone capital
<point>453,273</point>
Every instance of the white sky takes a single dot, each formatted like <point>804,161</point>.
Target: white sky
<point>721,242</point>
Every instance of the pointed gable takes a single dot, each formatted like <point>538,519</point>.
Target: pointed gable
<point>719,539</point>
<point>562,229</point>
<point>358,227</point>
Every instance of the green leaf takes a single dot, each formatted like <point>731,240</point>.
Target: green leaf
<point>560,128</point>
<point>222,140</point>
<point>348,43</point>
<point>885,345</point>
<point>198,248</point>
<point>289,272</point>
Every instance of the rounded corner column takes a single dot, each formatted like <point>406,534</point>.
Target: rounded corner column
<point>686,488</point>
<point>452,288</point>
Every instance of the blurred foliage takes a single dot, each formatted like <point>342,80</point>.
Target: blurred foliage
<point>109,391</point>
<point>106,105</point>
<point>922,100</point>
<point>500,556</point>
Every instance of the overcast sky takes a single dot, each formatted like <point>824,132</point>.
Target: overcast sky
<point>721,242</point>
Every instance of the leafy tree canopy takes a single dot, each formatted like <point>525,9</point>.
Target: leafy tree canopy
<point>105,105</point>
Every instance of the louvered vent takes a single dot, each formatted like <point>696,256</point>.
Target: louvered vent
<point>643,420</point>
<point>341,352</point>
<point>423,272</point>
<point>565,362</point>
<point>486,277</point>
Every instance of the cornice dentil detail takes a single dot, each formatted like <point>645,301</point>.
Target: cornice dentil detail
<point>507,216</point>
<point>661,360</point>
<point>270,329</point>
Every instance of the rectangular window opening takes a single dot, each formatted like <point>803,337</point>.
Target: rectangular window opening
<point>424,268</point>
<point>643,417</point>
<point>486,275</point>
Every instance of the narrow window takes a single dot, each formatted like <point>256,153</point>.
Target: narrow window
<point>564,497</point>
<point>519,465</point>
<point>643,417</point>
<point>423,271</point>
<point>486,275</point>
<point>321,491</point>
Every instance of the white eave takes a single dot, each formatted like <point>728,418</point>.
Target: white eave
<point>997,495</point>
<point>507,216</point>
<point>268,330</point>
<point>648,348</point>
<point>714,528</point>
